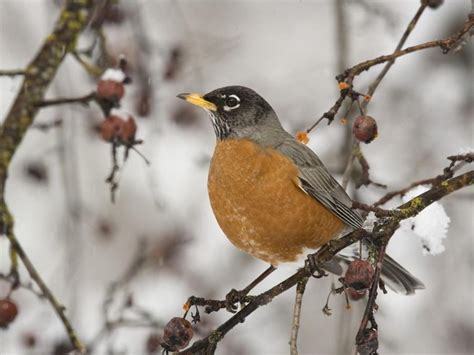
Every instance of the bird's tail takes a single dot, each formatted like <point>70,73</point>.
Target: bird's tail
<point>398,278</point>
<point>393,274</point>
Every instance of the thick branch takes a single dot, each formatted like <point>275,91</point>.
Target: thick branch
<point>37,78</point>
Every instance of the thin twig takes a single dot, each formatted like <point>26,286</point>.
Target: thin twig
<point>16,284</point>
<point>90,68</point>
<point>355,149</point>
<point>84,100</point>
<point>367,337</point>
<point>448,172</point>
<point>58,308</point>
<point>295,325</point>
<point>403,39</point>
<point>12,72</point>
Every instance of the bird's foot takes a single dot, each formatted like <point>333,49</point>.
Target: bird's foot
<point>313,265</point>
<point>234,297</point>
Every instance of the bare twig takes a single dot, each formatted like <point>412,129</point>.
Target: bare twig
<point>139,317</point>
<point>447,173</point>
<point>84,100</point>
<point>58,308</point>
<point>386,68</point>
<point>90,68</point>
<point>47,125</point>
<point>295,325</point>
<point>12,72</point>
<point>355,151</point>
<point>112,178</point>
<point>367,337</point>
<point>16,284</point>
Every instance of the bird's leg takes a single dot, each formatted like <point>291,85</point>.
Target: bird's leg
<point>312,264</point>
<point>235,296</point>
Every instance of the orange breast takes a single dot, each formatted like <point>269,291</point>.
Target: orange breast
<point>257,202</point>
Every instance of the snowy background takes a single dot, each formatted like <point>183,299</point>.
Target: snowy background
<point>286,51</point>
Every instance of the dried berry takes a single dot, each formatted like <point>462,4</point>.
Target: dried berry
<point>434,4</point>
<point>29,340</point>
<point>111,128</point>
<point>365,129</point>
<point>129,129</point>
<point>356,294</point>
<point>153,343</point>
<point>8,312</point>
<point>111,90</point>
<point>177,334</point>
<point>359,275</point>
<point>369,343</point>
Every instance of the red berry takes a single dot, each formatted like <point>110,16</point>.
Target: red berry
<point>177,334</point>
<point>129,129</point>
<point>111,128</point>
<point>356,294</point>
<point>110,90</point>
<point>29,340</point>
<point>434,4</point>
<point>359,275</point>
<point>8,312</point>
<point>153,343</point>
<point>365,129</point>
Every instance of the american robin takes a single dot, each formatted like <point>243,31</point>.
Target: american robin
<point>271,195</point>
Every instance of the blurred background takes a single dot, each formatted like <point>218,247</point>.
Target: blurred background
<point>159,243</point>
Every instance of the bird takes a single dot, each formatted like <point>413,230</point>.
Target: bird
<point>271,195</point>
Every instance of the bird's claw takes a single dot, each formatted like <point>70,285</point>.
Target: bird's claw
<point>316,271</point>
<point>233,298</point>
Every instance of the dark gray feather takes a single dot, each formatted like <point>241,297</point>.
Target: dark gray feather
<point>318,182</point>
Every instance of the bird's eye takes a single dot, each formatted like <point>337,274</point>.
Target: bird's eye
<point>232,101</point>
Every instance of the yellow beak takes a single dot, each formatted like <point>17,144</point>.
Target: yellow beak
<point>197,100</point>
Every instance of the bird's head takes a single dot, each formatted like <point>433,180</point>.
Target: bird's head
<point>236,111</point>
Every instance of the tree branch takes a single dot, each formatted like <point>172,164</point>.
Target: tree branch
<point>349,74</point>
<point>12,72</point>
<point>295,324</point>
<point>37,78</point>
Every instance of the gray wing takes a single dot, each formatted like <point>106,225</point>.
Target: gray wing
<point>318,182</point>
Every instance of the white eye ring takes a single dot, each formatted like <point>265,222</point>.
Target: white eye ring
<point>233,106</point>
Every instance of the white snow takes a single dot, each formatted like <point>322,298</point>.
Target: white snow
<point>119,112</point>
<point>465,150</point>
<point>114,75</point>
<point>369,221</point>
<point>430,225</point>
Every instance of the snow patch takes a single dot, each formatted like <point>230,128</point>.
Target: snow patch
<point>120,113</point>
<point>370,221</point>
<point>114,75</point>
<point>430,225</point>
<point>465,150</point>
